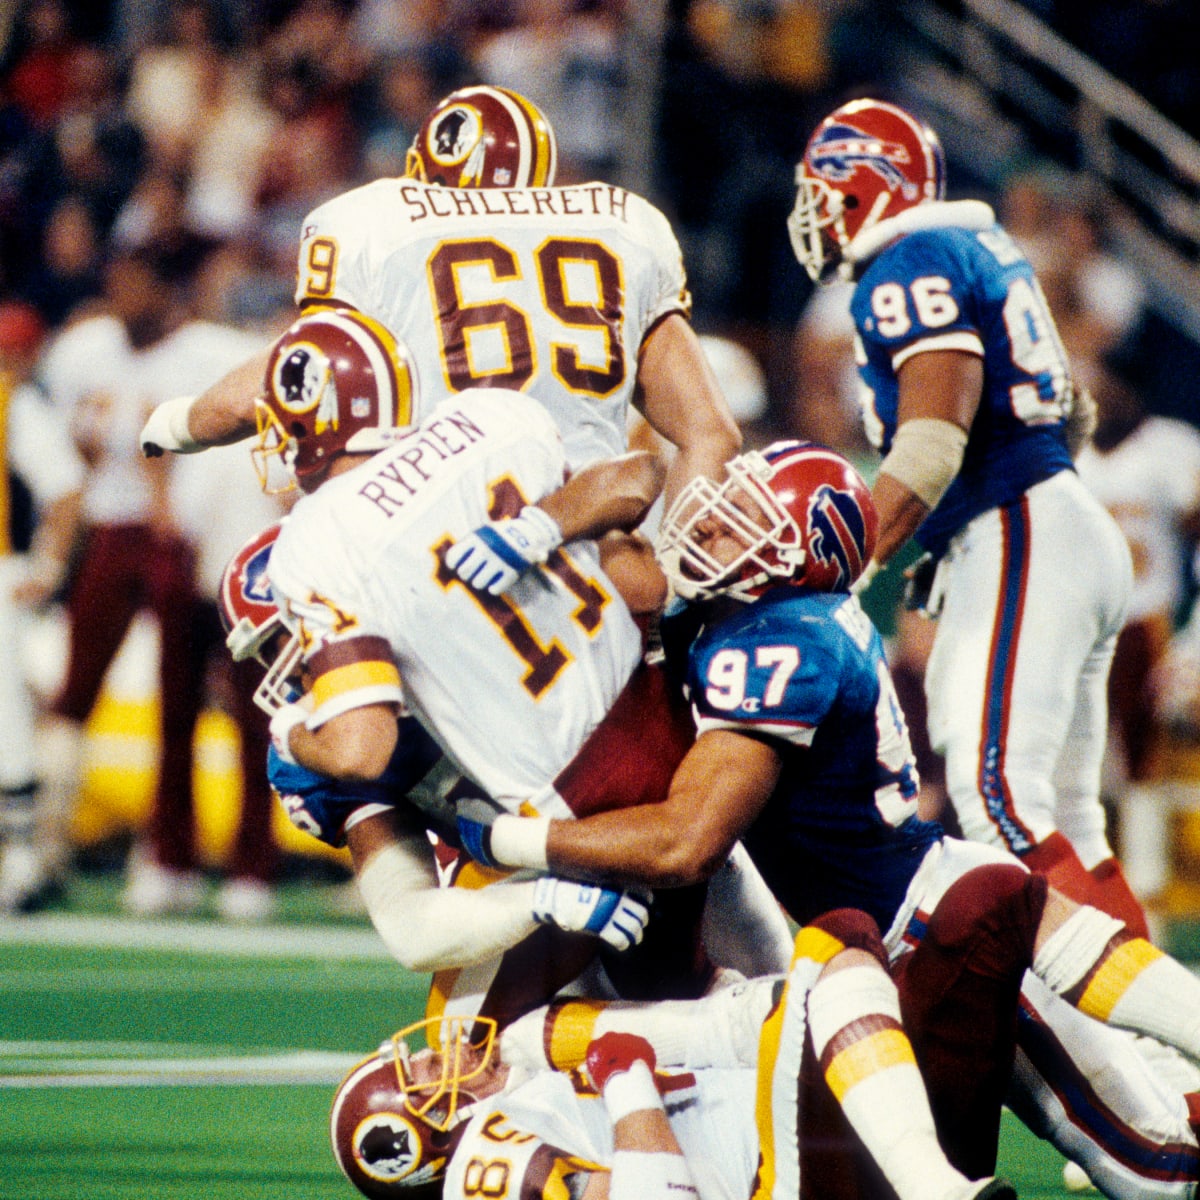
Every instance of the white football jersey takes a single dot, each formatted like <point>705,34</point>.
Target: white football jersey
<point>509,685</point>
<point>548,291</point>
<point>1149,481</point>
<point>524,1142</point>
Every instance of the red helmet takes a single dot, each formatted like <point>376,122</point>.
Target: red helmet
<point>392,1133</point>
<point>866,162</point>
<point>801,513</point>
<point>337,383</point>
<point>484,137</point>
<point>252,621</point>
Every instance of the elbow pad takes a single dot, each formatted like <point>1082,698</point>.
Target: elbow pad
<point>926,455</point>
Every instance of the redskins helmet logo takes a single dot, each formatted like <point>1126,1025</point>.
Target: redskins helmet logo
<point>456,138</point>
<point>839,150</point>
<point>304,381</point>
<point>387,1148</point>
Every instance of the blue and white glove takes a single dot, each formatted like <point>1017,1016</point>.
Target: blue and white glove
<point>495,556</point>
<point>618,918</point>
<point>475,817</point>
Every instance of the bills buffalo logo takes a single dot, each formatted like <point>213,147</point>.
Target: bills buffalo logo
<point>838,534</point>
<point>838,151</point>
<point>256,587</point>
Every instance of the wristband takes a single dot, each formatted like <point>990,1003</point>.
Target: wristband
<point>520,841</point>
<point>631,1091</point>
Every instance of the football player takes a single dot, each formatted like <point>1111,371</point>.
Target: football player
<point>539,696</point>
<point>503,1123</point>
<point>388,824</point>
<point>41,471</point>
<point>802,752</point>
<point>573,295</point>
<point>967,393</point>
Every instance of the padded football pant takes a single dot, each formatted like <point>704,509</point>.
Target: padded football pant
<point>1034,597</point>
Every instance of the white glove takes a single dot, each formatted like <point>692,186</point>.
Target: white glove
<point>495,556</point>
<point>618,918</point>
<point>167,429</point>
<point>282,723</point>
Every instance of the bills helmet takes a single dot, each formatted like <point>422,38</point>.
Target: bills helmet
<point>337,383</point>
<point>253,626</point>
<point>866,162</point>
<point>396,1117</point>
<point>484,137</point>
<point>794,513</point>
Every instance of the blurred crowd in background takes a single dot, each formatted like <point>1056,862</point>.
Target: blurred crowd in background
<point>158,156</point>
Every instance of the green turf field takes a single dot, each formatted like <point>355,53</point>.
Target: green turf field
<point>142,1060</point>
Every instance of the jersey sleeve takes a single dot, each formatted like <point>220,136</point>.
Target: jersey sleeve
<point>40,449</point>
<point>350,664</point>
<point>919,299</point>
<point>333,261</point>
<point>670,293</point>
<point>765,678</point>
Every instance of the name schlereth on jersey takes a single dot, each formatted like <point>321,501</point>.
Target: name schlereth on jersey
<point>405,473</point>
<point>587,200</point>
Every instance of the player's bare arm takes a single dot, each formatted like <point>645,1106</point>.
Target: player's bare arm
<point>718,790</point>
<point>941,387</point>
<point>609,495</point>
<point>679,395</point>
<point>222,414</point>
<point>357,744</point>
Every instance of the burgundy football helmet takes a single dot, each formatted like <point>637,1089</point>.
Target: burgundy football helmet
<point>866,162</point>
<point>253,624</point>
<point>801,513</point>
<point>396,1116</point>
<point>337,383</point>
<point>484,137</point>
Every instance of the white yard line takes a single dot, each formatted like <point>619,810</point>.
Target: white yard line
<point>200,937</point>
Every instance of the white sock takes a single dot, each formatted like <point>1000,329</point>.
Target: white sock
<point>877,1082</point>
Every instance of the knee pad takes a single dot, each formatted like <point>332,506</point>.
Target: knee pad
<point>1001,900</point>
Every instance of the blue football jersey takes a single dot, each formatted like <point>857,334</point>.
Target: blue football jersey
<point>972,290</point>
<point>806,671</point>
<point>321,806</point>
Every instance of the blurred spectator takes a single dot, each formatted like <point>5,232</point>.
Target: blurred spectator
<point>567,58</point>
<point>39,498</point>
<point>1146,471</point>
<point>108,371</point>
<point>67,276</point>
<point>824,404</point>
<point>405,91</point>
<point>41,61</point>
<point>175,81</point>
<point>1060,222</point>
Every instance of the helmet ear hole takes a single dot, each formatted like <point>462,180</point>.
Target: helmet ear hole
<point>850,201</point>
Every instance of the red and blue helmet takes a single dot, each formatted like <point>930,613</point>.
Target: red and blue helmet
<point>801,513</point>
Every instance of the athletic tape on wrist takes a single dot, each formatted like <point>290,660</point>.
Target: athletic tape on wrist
<point>520,841</point>
<point>631,1091</point>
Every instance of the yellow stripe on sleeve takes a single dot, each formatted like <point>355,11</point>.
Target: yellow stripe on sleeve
<point>350,678</point>
<point>574,1028</point>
